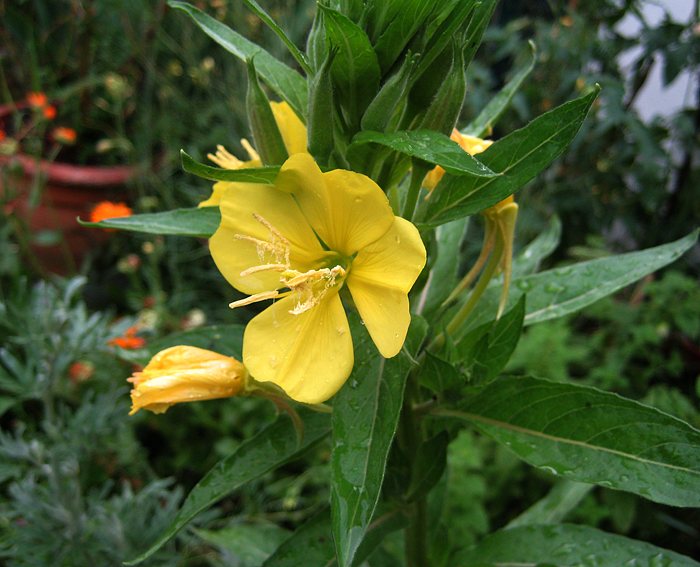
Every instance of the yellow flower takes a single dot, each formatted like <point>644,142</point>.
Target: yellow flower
<point>185,374</point>
<point>300,241</point>
<point>293,134</point>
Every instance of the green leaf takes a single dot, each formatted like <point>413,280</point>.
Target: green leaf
<point>224,339</point>
<point>430,463</point>
<point>274,446</point>
<point>429,146</point>
<point>564,497</point>
<point>408,18</point>
<point>566,546</point>
<point>561,291</point>
<point>244,175</point>
<point>442,278</point>
<point>300,58</point>
<point>285,81</point>
<point>517,158</point>
<point>532,255</point>
<point>439,375</point>
<point>201,222</point>
<point>483,123</point>
<point>312,544</point>
<point>355,69</point>
<point>365,417</point>
<point>251,544</point>
<point>493,345</point>
<point>6,403</point>
<point>591,436</point>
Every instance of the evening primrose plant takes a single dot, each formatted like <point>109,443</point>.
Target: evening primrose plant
<point>344,227</point>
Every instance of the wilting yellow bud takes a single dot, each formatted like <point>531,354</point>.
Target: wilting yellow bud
<point>185,374</point>
<point>470,144</point>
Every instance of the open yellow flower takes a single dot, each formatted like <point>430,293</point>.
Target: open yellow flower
<point>299,242</point>
<point>293,134</point>
<point>185,374</point>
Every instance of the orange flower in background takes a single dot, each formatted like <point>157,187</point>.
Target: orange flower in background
<point>129,340</point>
<point>64,135</point>
<point>2,135</point>
<point>49,112</point>
<point>37,99</point>
<point>109,210</point>
<point>80,371</point>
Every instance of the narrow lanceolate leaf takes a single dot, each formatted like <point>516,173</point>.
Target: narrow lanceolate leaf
<point>484,122</point>
<point>591,436</point>
<point>516,159</point>
<point>312,543</point>
<point>567,546</point>
<point>561,291</point>
<point>562,499</point>
<point>244,175</point>
<point>429,146</point>
<point>200,222</point>
<point>365,416</point>
<point>532,255</point>
<point>443,273</point>
<point>258,10</point>
<point>285,81</point>
<point>274,446</point>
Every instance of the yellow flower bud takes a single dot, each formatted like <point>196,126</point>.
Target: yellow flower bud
<point>185,374</point>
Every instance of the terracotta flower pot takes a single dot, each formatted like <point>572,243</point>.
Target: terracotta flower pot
<point>67,192</point>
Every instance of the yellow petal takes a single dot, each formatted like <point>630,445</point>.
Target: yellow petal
<point>346,209</point>
<point>217,192</point>
<point>185,374</point>
<point>292,129</point>
<point>250,212</point>
<point>308,355</point>
<point>380,278</point>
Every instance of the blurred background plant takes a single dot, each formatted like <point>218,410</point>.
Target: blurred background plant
<point>137,84</point>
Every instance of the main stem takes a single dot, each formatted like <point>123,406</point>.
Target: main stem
<point>410,439</point>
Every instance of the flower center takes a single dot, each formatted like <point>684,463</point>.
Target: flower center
<point>308,287</point>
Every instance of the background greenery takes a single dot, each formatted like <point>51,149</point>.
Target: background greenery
<point>104,485</point>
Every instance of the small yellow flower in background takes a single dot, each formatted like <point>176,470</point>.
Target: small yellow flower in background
<point>293,134</point>
<point>499,230</point>
<point>185,374</point>
<point>300,241</point>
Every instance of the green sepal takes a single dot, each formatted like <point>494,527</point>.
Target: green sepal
<point>444,111</point>
<point>391,98</point>
<point>355,69</point>
<point>268,140</point>
<point>320,123</point>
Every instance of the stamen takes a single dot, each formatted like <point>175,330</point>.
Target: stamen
<point>223,158</point>
<point>263,268</point>
<point>254,298</point>
<point>248,148</point>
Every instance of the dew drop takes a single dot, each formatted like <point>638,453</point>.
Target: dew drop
<point>523,285</point>
<point>272,361</point>
<point>340,331</point>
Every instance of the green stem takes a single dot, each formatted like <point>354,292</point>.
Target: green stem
<point>410,437</point>
<point>487,275</point>
<point>417,175</point>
